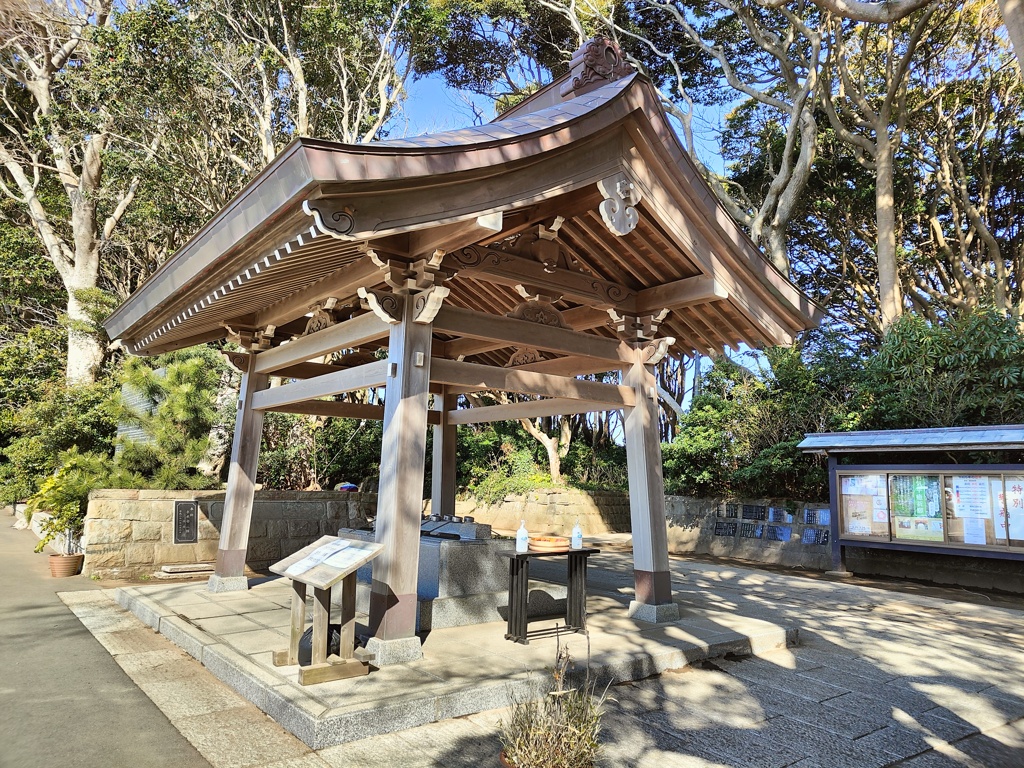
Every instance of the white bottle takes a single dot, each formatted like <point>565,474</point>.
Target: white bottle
<point>577,535</point>
<point>522,537</point>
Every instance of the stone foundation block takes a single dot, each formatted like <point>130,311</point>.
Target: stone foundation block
<point>147,531</point>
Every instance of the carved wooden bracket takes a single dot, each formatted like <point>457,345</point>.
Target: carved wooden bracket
<point>637,328</point>
<point>427,303</point>
<point>617,211</point>
<point>654,353</point>
<point>524,356</point>
<point>321,319</point>
<point>596,62</point>
<point>331,218</point>
<point>251,338</point>
<point>237,360</point>
<point>386,306</point>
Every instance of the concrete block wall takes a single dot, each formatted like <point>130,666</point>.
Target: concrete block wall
<point>130,533</point>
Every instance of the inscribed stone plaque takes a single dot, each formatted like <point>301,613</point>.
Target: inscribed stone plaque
<point>186,522</point>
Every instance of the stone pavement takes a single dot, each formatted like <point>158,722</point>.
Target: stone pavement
<point>881,678</point>
<point>63,699</point>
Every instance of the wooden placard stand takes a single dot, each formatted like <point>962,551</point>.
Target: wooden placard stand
<point>350,661</point>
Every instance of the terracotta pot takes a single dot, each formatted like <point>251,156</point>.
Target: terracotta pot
<point>66,565</point>
<point>504,761</point>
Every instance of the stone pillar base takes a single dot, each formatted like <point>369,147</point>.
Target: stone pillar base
<point>398,651</point>
<point>655,614</point>
<point>227,584</point>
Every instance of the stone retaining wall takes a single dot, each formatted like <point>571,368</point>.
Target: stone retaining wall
<point>554,511</point>
<point>719,528</point>
<point>130,533</point>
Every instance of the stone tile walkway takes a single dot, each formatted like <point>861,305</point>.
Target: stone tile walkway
<point>881,678</point>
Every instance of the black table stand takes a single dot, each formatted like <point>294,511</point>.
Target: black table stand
<point>519,590</point>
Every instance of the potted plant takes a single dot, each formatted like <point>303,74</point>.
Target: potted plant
<point>64,525</point>
<point>559,731</point>
<point>64,496</point>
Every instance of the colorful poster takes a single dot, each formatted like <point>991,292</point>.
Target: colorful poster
<point>971,496</point>
<point>999,504</point>
<point>863,485</point>
<point>918,529</point>
<point>880,509</point>
<point>974,531</point>
<point>858,515</point>
<point>916,496</point>
<point>1015,505</point>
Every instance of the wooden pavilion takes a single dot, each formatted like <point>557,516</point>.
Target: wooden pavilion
<point>571,236</point>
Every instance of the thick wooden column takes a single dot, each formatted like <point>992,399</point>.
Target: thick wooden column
<point>229,574</point>
<point>442,487</point>
<point>393,599</point>
<point>647,499</point>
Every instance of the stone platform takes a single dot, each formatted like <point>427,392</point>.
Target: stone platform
<point>464,670</point>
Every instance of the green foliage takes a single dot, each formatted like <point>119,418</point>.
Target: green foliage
<point>512,471</point>
<point>182,386</point>
<point>63,418</point>
<point>740,434</point>
<point>65,495</point>
<point>967,371</point>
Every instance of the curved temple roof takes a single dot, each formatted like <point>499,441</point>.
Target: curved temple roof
<point>587,199</point>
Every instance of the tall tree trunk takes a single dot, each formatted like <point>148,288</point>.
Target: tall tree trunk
<point>890,296</point>
<point>1013,18</point>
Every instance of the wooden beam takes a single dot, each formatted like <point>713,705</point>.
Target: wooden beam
<point>528,382</point>
<point>340,283</point>
<point>522,333</point>
<point>509,269</point>
<point>679,294</point>
<point>577,318</point>
<point>570,366</point>
<point>555,406</point>
<point>336,409</point>
<point>351,333</point>
<point>347,380</point>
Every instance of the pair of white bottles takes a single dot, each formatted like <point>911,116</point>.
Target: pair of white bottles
<point>523,537</point>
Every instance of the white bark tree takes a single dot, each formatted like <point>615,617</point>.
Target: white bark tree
<point>48,138</point>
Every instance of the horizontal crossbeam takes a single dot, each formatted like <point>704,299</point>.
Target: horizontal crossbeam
<point>555,406</point>
<point>527,382</point>
<point>350,333</point>
<point>347,380</point>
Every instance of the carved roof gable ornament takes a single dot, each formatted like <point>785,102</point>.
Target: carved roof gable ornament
<point>597,62</point>
<point>617,211</point>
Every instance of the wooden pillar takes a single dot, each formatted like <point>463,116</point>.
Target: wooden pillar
<point>442,487</point>
<point>229,574</point>
<point>393,598</point>
<point>653,601</point>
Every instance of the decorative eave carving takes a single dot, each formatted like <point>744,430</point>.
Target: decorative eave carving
<point>597,62</point>
<point>331,218</point>
<point>617,211</point>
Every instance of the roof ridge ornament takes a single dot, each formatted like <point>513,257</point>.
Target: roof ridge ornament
<point>597,62</point>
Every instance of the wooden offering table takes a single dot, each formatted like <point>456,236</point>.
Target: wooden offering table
<point>324,563</point>
<point>519,590</point>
